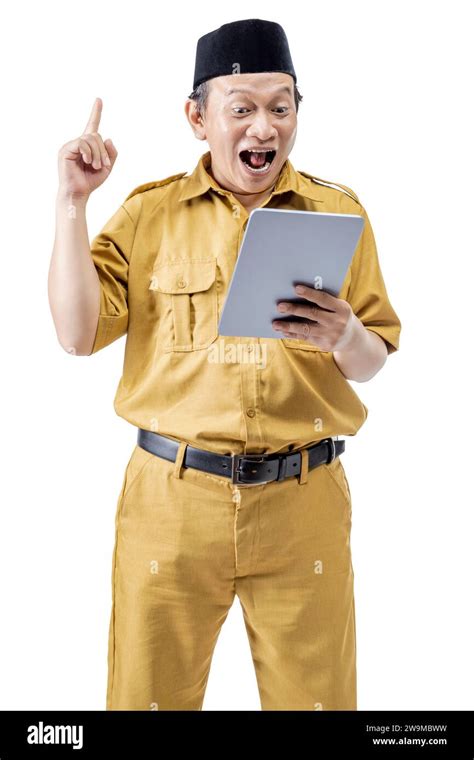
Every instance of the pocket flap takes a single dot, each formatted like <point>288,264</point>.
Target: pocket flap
<point>301,344</point>
<point>184,276</point>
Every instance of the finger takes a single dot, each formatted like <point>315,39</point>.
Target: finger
<point>94,118</point>
<point>308,311</point>
<point>74,148</point>
<point>104,156</point>
<point>299,329</point>
<point>312,336</point>
<point>111,150</point>
<point>93,143</point>
<point>317,296</point>
<point>86,151</point>
<point>283,328</point>
<point>100,151</point>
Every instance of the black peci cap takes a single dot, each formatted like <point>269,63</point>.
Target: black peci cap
<point>242,47</point>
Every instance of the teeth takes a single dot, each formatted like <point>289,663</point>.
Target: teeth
<point>261,169</point>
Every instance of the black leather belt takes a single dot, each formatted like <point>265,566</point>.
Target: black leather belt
<point>250,469</point>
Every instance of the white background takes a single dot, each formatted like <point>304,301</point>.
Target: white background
<point>387,90</point>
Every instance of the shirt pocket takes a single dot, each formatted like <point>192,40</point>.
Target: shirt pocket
<point>187,290</point>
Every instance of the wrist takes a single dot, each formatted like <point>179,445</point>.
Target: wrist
<point>358,338</point>
<point>66,197</point>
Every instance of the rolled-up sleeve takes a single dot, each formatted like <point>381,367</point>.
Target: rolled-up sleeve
<point>367,293</point>
<point>111,251</point>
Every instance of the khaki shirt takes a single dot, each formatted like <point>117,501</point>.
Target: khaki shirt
<point>165,260</point>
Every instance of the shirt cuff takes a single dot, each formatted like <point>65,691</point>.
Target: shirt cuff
<point>109,329</point>
<point>390,335</point>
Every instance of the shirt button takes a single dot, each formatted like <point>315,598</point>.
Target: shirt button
<point>251,412</point>
<point>181,283</point>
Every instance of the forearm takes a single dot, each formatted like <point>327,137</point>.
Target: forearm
<point>73,283</point>
<point>365,355</point>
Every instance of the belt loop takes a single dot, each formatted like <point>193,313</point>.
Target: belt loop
<point>179,459</point>
<point>303,476</point>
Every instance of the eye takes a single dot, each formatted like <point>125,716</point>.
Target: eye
<point>240,108</point>
<point>281,109</point>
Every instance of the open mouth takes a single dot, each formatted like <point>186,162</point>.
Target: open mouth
<point>257,161</point>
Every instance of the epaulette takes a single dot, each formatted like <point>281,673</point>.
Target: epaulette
<point>320,181</point>
<point>158,183</point>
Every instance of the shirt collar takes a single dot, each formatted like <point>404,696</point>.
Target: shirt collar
<point>200,181</point>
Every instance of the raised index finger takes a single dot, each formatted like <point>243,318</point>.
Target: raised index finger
<point>94,118</point>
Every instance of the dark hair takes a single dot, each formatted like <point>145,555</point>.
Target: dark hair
<point>201,93</point>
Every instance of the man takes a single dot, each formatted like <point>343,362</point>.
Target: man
<point>235,485</point>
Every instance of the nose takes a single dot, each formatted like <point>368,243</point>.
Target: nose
<point>262,127</point>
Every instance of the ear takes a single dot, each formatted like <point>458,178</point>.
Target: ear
<point>195,119</point>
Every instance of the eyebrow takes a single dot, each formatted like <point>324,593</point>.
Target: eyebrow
<point>238,89</point>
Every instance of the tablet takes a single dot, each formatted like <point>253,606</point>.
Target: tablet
<point>280,249</point>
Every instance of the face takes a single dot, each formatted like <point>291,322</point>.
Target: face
<point>247,115</point>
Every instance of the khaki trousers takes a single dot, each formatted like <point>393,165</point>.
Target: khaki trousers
<point>187,542</point>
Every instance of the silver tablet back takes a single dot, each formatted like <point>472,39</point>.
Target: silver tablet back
<point>280,248</point>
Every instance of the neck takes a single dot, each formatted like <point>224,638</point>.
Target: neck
<point>251,200</point>
<point>248,200</point>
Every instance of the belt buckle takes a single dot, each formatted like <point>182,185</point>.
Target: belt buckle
<point>236,466</point>
<point>332,449</point>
